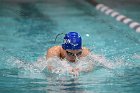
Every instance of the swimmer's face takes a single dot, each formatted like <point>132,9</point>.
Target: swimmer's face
<point>72,54</point>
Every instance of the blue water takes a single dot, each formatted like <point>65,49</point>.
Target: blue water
<point>27,30</point>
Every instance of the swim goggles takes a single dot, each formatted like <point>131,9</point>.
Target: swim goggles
<point>72,54</point>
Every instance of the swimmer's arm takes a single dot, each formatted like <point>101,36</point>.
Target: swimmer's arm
<point>52,63</point>
<point>59,66</point>
<point>52,53</point>
<point>56,65</point>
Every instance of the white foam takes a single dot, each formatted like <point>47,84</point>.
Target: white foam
<point>138,30</point>
<point>136,56</point>
<point>87,35</point>
<point>25,69</point>
<point>85,64</point>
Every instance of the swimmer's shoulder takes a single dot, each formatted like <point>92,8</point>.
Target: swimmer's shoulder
<point>56,48</point>
<point>53,51</point>
<point>86,51</point>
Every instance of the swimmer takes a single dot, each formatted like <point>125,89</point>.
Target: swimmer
<point>71,50</point>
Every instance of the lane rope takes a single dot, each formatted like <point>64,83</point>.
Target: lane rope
<point>119,17</point>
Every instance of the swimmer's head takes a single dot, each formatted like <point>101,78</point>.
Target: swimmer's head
<point>72,41</point>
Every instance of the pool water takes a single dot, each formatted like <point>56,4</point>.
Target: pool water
<point>28,29</point>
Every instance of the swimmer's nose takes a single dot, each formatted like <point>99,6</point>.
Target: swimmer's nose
<point>73,57</point>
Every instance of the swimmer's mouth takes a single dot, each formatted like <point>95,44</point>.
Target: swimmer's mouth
<point>72,60</point>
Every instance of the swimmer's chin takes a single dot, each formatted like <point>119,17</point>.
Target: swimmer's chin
<point>72,61</point>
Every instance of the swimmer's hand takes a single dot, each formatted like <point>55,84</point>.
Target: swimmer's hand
<point>74,71</point>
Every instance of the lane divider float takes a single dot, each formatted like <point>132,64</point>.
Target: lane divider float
<point>119,17</point>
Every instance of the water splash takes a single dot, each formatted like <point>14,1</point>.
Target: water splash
<point>24,69</point>
<point>116,66</point>
<point>92,62</point>
<point>136,56</point>
<point>86,64</point>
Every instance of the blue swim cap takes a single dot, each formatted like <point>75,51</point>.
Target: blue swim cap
<point>72,41</point>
